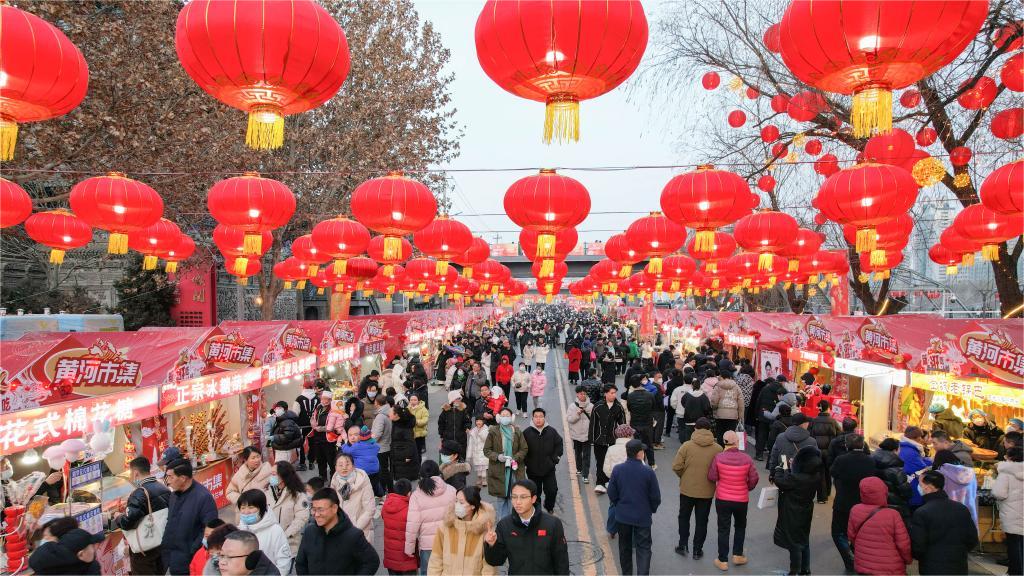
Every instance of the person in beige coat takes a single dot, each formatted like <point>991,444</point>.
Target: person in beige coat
<point>253,474</point>
<point>356,494</point>
<point>727,400</point>
<point>695,490</point>
<point>287,497</point>
<point>459,541</point>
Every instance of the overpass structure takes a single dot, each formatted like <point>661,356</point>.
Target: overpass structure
<point>579,266</point>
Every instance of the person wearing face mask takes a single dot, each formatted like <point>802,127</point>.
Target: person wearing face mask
<point>287,499</point>
<point>942,532</point>
<point>356,493</point>
<point>303,408</point>
<point>419,410</point>
<point>521,383</point>
<point>202,556</point>
<point>369,402</point>
<point>74,553</point>
<point>286,436</point>
<point>505,449</point>
<point>253,473</point>
<point>322,450</point>
<point>363,450</point>
<point>453,471</point>
<point>454,420</point>
<point>255,516</point>
<point>148,496</point>
<point>458,543</point>
<point>214,543</point>
<point>982,432</point>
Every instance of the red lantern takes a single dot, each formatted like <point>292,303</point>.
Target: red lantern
<point>676,269</point>
<point>766,183</point>
<point>771,38</point>
<point>704,200</point>
<point>117,204</point>
<point>926,136</point>
<point>291,270</point>
<point>872,47</point>
<point>866,195</point>
<point>943,256</point>
<point>231,243</point>
<point>322,282</point>
<point>58,230</point>
<point>379,251</point>
<point>619,249</point>
<point>910,98</point>
<point>559,270</point>
<point>780,103</point>
<point>43,74</point>
<point>272,59</point>
<point>560,53</point>
<point>978,223</point>
<point>656,236</point>
<point>893,258</point>
<point>154,240</point>
<point>722,246</point>
<point>960,156</point>
<point>805,243</point>
<point>252,204</point>
<point>488,273</point>
<point>827,165</point>
<point>443,239</point>
<point>1012,73</point>
<point>1001,39</point>
<point>179,252</point>
<point>765,233</point>
<point>546,203</point>
<point>894,148</point>
<point>979,95</point>
<point>769,134</point>
<point>360,268</point>
<point>752,93</point>
<point>737,118</point>
<point>710,80</point>
<point>890,236</point>
<point>779,150</point>
<point>804,106</point>
<point>478,252</point>
<point>305,250</point>
<point>1008,124</point>
<point>252,268</point>
<point>1003,189</point>
<point>15,203</point>
<point>565,240</point>
<point>813,147</point>
<point>421,271</point>
<point>952,238</point>
<point>393,206</point>
<point>340,238</point>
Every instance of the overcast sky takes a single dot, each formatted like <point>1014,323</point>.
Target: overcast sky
<point>502,130</point>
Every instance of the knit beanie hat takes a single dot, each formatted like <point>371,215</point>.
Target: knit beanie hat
<point>624,431</point>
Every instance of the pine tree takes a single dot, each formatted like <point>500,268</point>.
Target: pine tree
<point>144,298</point>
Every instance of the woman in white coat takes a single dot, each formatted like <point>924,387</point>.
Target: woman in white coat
<point>255,516</point>
<point>356,494</point>
<point>287,499</point>
<point>528,355</point>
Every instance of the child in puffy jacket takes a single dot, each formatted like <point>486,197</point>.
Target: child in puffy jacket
<point>363,449</point>
<point>538,382</point>
<point>336,422</point>
<point>476,436</point>
<point>395,515</point>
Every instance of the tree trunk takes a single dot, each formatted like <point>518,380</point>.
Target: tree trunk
<point>1007,284</point>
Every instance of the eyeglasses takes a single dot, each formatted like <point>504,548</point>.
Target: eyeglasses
<point>521,496</point>
<point>223,556</point>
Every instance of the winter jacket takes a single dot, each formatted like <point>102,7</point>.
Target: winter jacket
<point>777,427</point>
<point>538,381</point>
<point>539,548</point>
<point>405,454</point>
<point>727,400</point>
<point>335,424</point>
<point>393,378</point>
<point>987,437</point>
<point>616,455</point>
<point>1008,490</point>
<point>380,430</point>
<point>394,514</point>
<point>273,541</point>
<point>292,511</point>
<point>734,475</point>
<point>475,451</point>
<point>544,448</point>
<point>504,373</point>
<point>942,533</point>
<point>455,474</point>
<point>265,567</point>
<point>187,515</point>
<point>422,416</point>
<point>797,487</point>
<point>521,381</point>
<point>709,384</point>
<point>948,421</point>
<point>633,490</point>
<point>494,446</point>
<point>453,423</point>
<point>823,429</point>
<point>768,398</point>
<point>364,455</point>
<point>138,507</point>
<point>425,514</point>
<point>286,434</point>
<point>640,404</point>
<point>459,544</point>
<point>360,504</point>
<point>787,398</point>
<point>574,356</point>
<point>603,421</point>
<point>881,542</point>
<point>579,420</point>
<point>244,479</point>
<point>342,550</point>
<point>788,444</point>
<point>746,386</point>
<point>847,472</point>
<point>540,353</point>
<point>890,469</point>
<point>53,558</point>
<point>476,380</point>
<point>692,462</point>
<point>914,461</point>
<point>963,453</point>
<point>962,486</point>
<point>691,404</point>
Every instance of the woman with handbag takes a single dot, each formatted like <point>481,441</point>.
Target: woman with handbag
<point>147,505</point>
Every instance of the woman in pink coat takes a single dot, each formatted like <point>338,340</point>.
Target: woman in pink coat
<point>538,382</point>
<point>427,507</point>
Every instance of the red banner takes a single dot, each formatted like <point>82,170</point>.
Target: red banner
<point>175,396</point>
<point>216,478</point>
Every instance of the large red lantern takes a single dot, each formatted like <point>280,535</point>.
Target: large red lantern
<point>340,238</point>
<point>378,250</point>
<point>891,235</point>
<point>15,203</point>
<point>771,38</point>
<point>766,183</point>
<point>944,256</point>
<point>422,270</point>
<point>479,250</point>
<point>827,165</point>
<point>910,98</point>
<point>765,233</point>
<point>979,95</point>
<point>117,204</point>
<point>866,195</point>
<point>805,106</point>
<point>893,258</point>
<point>805,243</point>
<point>546,203</point>
<point>1012,72</point>
<point>656,236</point>
<point>565,242</point>
<point>960,156</point>
<point>560,53</point>
<point>153,241</point>
<point>676,269</point>
<point>58,230</point>
<point>231,243</point>
<point>926,136</point>
<point>952,238</point>
<point>779,103</point>
<point>304,249</point>
<point>619,249</point>
<point>252,268</point>
<point>42,74</point>
<point>737,118</point>
<point>722,246</point>
<point>896,148</point>
<point>1008,124</point>
<point>769,134</point>
<point>291,270</point>
<point>704,200</point>
<point>394,206</point>
<point>443,239</point>
<point>1003,189</point>
<point>268,58</point>
<point>252,204</point>
<point>978,223</point>
<point>559,270</point>
<point>871,47</point>
<point>361,269</point>
<point>179,252</point>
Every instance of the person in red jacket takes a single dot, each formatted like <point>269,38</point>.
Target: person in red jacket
<point>503,376</point>
<point>735,476</point>
<point>575,357</point>
<point>395,514</point>
<point>877,532</point>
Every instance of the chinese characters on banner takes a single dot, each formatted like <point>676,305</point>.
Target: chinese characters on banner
<point>228,352</point>
<point>371,348</point>
<point>995,353</point>
<point>977,390</point>
<point>281,369</point>
<point>215,478</point>
<point>742,340</point>
<point>175,396</point>
<point>85,371</point>
<point>338,354</point>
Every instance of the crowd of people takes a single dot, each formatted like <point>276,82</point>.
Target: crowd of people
<point>910,499</point>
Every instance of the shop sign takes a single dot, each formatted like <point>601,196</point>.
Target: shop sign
<point>338,354</point>
<point>818,333</point>
<point>860,369</point>
<point>877,339</point>
<point>85,474</point>
<point>175,396</point>
<point>215,478</point>
<point>288,368</point>
<point>996,354</point>
<point>229,351</point>
<point>742,340</point>
<point>91,520</point>
<point>977,390</point>
<point>74,419</point>
<point>100,365</point>
<point>296,339</point>
<point>807,356</point>
<point>343,332</point>
<point>371,348</point>
<point>373,330</point>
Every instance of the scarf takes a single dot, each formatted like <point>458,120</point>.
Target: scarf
<point>506,436</point>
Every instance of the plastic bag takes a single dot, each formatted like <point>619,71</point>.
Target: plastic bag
<point>769,497</point>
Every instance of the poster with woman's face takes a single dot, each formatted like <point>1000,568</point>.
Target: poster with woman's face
<point>770,364</point>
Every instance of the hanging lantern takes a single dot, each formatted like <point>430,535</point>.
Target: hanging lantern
<point>179,252</point>
<point>15,203</point>
<point>805,106</point>
<point>1008,124</point>
<point>765,233</point>
<point>560,53</point>
<point>58,230</point>
<point>827,165</point>
<point>360,268</point>
<point>1003,189</point>
<point>978,223</point>
<point>766,183</point>
<point>872,47</point>
<point>252,204</point>
<point>656,236</point>
<point>565,242</point>
<point>559,270</point>
<point>722,246</point>
<point>479,251</point>
<point>252,268</point>
<point>1012,73</point>
<point>546,203</point>
<point>894,148</point>
<point>379,250</point>
<point>979,95</point>
<point>291,271</point>
<point>704,200</point>
<point>869,271</point>
<point>866,195</point>
<point>117,204</point>
<point>960,156</point>
<point>780,103</point>
<point>231,243</point>
<point>813,147</point>
<point>926,136</point>
<point>443,239</point>
<point>676,269</point>
<point>928,171</point>
<point>943,256</point>
<point>769,134</point>
<point>952,239</point>
<point>910,98</point>
<point>322,282</point>
<point>340,238</point>
<point>306,251</point>
<point>153,241</point>
<point>771,38</point>
<point>421,271</point>
<point>737,118</point>
<point>619,249</point>
<point>271,59</point>
<point>394,206</point>
<point>890,236</point>
<point>805,243</point>
<point>43,75</point>
<point>752,93</point>
<point>710,80</point>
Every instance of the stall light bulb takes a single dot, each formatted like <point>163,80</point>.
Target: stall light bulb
<point>30,458</point>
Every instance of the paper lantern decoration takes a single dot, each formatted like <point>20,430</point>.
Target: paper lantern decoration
<point>443,239</point>
<point>766,183</point>
<point>752,93</point>
<point>179,252</point>
<point>291,271</point>
<point>926,136</point>
<point>952,238</point>
<point>560,53</point>
<point>378,250</point>
<point>960,156</point>
<point>656,236</point>
<point>779,150</point>
<point>979,95</point>
<point>813,147</point>
<point>153,241</point>
<point>866,195</point>
<point>117,204</point>
<point>1008,124</point>
<point>252,268</point>
<point>710,80</point>
<point>1002,37</point>
<point>43,74</point>
<point>721,247</point>
<point>805,243</point>
<point>704,200</point>
<point>827,165</point>
<point>943,256</point>
<point>765,233</point>
<point>676,269</point>
<point>394,206</point>
<point>231,243</point>
<point>322,282</point>
<point>58,230</point>
<point>565,242</point>
<point>478,252</point>
<point>990,228</point>
<point>305,250</point>
<point>360,268</point>
<point>805,106</point>
<point>894,148</point>
<point>340,238</point>
<point>619,249</point>
<point>546,203</point>
<point>928,171</point>
<point>1012,73</point>
<point>869,271</point>
<point>910,98</point>
<point>15,203</point>
<point>420,271</point>
<point>890,236</point>
<point>252,204</point>
<point>872,47</point>
<point>737,118</point>
<point>271,59</point>
<point>780,103</point>
<point>769,134</point>
<point>1003,189</point>
<point>771,38</point>
<point>559,270</point>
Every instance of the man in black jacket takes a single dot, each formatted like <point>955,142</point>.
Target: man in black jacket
<point>766,402</point>
<point>823,429</point>
<point>608,414</point>
<point>942,531</point>
<point>847,471</point>
<point>544,449</point>
<point>640,404</point>
<point>454,421</point>
<point>531,541</point>
<point>190,508</point>
<point>72,553</point>
<point>286,434</point>
<point>666,359</point>
<point>149,496</point>
<point>241,556</point>
<point>333,545</point>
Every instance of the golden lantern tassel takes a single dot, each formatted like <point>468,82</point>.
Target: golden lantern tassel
<point>441,290</point>
<point>674,287</point>
<point>287,284</point>
<point>547,267</point>
<point>765,261</point>
<point>441,267</point>
<point>625,271</point>
<point>389,270</point>
<point>757,290</point>
<point>546,246</point>
<point>149,262</point>
<point>320,291</point>
<point>787,285</point>
<point>794,265</point>
<point>715,284</point>
<point>300,285</point>
<point>654,265</point>
<point>562,118</point>
<point>243,280</point>
<point>746,282</point>
<point>865,239</point>
<point>704,241</point>
<point>878,258</point>
<point>967,259</point>
<point>714,293</point>
<point>312,270</point>
<point>829,277</point>
<point>812,291</point>
<point>392,248</point>
<point>613,286</point>
<point>8,138</point>
<point>340,266</point>
<point>658,286</point>
<point>387,297</point>
<point>171,267</point>
<point>548,297</point>
<point>266,128</point>
<point>872,112</point>
<point>241,265</point>
<point>711,266</point>
<point>835,281</point>
<point>886,274</point>
<point>56,256</point>
<point>422,286</point>
<point>495,289</point>
<point>117,243</point>
<point>863,278</point>
<point>467,272</point>
<point>990,252</point>
<point>822,284</point>
<point>951,270</point>
<point>252,244</point>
